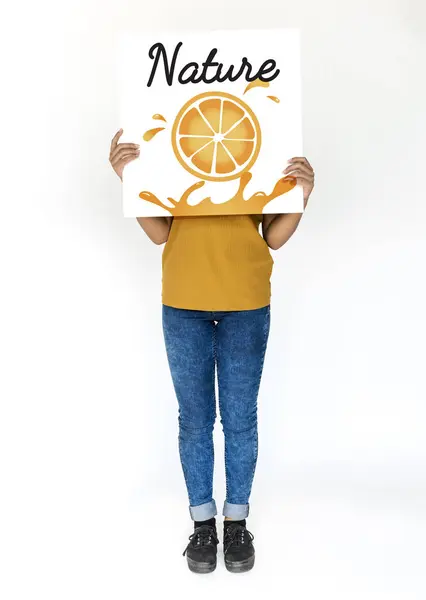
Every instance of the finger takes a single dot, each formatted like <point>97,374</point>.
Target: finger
<point>116,138</point>
<point>125,146</point>
<point>301,159</point>
<point>300,172</point>
<point>299,163</point>
<point>302,167</point>
<point>124,154</point>
<point>125,157</point>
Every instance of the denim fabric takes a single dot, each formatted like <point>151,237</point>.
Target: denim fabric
<point>234,342</point>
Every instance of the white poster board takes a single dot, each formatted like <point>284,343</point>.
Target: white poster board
<point>217,115</point>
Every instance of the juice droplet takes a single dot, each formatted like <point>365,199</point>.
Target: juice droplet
<point>274,98</point>
<point>159,117</point>
<point>148,196</point>
<point>283,185</point>
<point>154,200</point>
<point>256,83</point>
<point>148,135</point>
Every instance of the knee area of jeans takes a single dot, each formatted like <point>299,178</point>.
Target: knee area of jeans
<point>193,429</point>
<point>240,428</point>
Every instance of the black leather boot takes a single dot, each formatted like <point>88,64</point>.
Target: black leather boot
<point>201,552</point>
<point>238,546</point>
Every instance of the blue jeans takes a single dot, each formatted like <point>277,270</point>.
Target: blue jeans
<point>234,342</point>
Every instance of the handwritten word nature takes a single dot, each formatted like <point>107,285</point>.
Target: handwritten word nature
<point>209,71</point>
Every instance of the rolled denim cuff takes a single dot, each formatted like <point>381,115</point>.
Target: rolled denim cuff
<point>203,512</point>
<point>235,511</point>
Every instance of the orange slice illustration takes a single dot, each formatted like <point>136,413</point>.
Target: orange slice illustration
<point>216,136</point>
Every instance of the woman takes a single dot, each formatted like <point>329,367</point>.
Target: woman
<point>216,315</point>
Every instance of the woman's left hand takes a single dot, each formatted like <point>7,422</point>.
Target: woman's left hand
<point>300,168</point>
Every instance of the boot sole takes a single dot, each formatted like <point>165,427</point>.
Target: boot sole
<point>241,566</point>
<point>200,567</point>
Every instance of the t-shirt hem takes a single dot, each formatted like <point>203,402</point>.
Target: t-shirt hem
<point>216,308</point>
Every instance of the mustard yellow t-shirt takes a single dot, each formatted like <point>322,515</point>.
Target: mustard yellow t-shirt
<point>216,263</point>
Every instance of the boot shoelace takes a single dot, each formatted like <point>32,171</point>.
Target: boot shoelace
<point>202,536</point>
<point>238,535</point>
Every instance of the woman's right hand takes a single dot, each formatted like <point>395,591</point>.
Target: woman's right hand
<point>121,154</point>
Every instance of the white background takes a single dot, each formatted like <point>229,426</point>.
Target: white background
<point>93,503</point>
<point>157,169</point>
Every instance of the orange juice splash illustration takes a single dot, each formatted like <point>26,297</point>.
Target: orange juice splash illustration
<point>256,83</point>
<point>159,117</point>
<point>217,137</point>
<point>237,205</point>
<point>148,135</point>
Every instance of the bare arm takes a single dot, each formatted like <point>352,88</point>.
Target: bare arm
<point>278,229</point>
<point>156,228</point>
